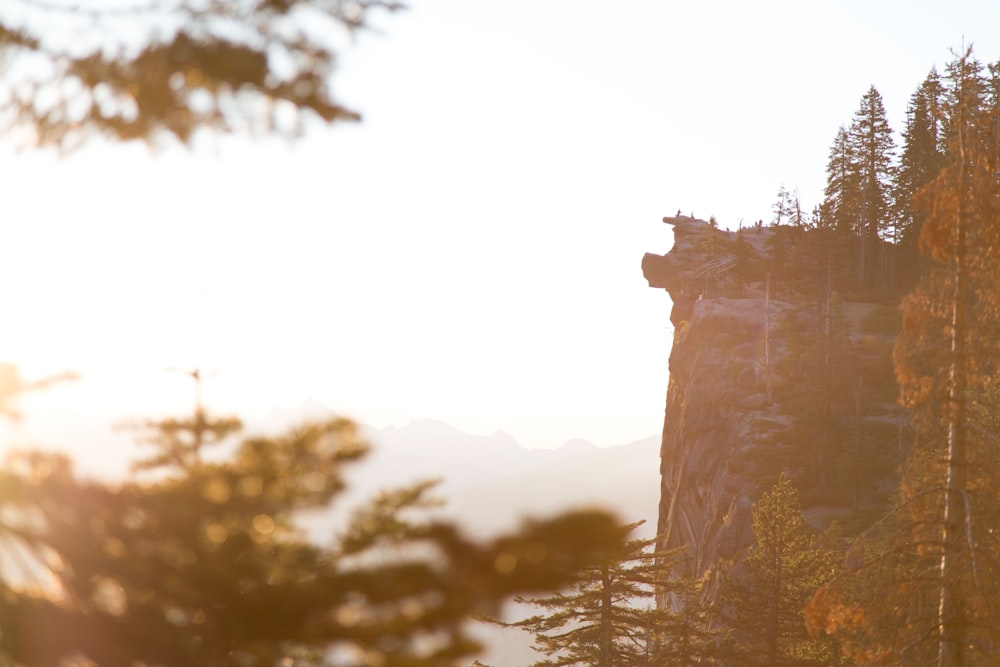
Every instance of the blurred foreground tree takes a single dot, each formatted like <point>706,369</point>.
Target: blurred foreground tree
<point>205,566</point>
<point>136,69</point>
<point>12,385</point>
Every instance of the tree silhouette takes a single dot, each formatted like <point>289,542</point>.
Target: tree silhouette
<point>842,201</point>
<point>922,156</point>
<point>873,148</point>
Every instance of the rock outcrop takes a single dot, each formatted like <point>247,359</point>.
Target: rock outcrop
<point>775,367</point>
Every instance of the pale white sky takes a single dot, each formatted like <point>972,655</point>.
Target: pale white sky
<point>471,251</point>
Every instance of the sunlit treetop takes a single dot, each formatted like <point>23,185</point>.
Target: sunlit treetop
<point>154,69</point>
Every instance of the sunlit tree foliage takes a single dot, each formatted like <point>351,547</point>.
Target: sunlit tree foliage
<point>927,587</point>
<point>765,601</point>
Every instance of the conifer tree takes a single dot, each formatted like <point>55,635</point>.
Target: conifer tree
<point>921,159</point>
<point>783,207</point>
<point>205,566</point>
<point>930,592</point>
<point>873,148</point>
<point>842,194</point>
<point>966,86</point>
<point>607,618</point>
<point>941,383</point>
<point>788,208</point>
<point>780,572</point>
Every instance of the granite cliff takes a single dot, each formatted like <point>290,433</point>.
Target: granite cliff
<point>781,362</point>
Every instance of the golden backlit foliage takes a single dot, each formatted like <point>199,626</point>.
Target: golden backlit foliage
<point>763,600</point>
<point>927,590</point>
<point>206,565</point>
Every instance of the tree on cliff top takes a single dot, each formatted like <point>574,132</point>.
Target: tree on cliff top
<point>142,70</point>
<point>205,566</point>
<point>859,176</point>
<point>840,206</point>
<point>922,156</point>
<point>873,148</point>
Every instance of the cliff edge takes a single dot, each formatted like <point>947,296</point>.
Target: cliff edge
<point>780,362</point>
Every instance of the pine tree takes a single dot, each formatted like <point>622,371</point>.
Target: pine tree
<point>607,618</point>
<point>788,208</point>
<point>873,148</point>
<point>780,572</point>
<point>930,591</point>
<point>784,207</point>
<point>941,384</point>
<point>204,566</point>
<point>180,442</point>
<point>842,203</point>
<point>966,86</point>
<point>921,159</point>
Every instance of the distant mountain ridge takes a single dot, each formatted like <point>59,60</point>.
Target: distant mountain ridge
<point>430,449</point>
<point>490,483</point>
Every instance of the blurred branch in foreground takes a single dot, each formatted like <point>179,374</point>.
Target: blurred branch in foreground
<point>149,70</point>
<point>12,385</point>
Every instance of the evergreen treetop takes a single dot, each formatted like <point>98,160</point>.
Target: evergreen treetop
<point>607,619</point>
<point>873,148</point>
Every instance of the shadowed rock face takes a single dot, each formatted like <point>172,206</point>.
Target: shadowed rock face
<point>756,386</point>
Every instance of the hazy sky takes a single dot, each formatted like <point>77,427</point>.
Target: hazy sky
<point>470,252</point>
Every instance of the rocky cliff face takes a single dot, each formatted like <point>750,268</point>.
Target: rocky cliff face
<point>776,366</point>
